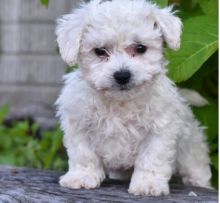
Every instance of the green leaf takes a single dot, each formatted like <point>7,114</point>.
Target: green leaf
<point>3,113</point>
<point>45,2</point>
<point>199,42</point>
<point>209,7</point>
<point>57,142</point>
<point>214,178</point>
<point>161,3</point>
<point>214,159</point>
<point>71,68</point>
<point>208,116</point>
<point>188,5</point>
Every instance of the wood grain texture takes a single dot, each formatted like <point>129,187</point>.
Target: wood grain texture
<point>36,186</point>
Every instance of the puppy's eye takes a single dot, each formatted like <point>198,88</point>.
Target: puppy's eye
<point>101,52</point>
<point>140,49</point>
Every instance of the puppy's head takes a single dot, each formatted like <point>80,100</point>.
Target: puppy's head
<point>118,44</point>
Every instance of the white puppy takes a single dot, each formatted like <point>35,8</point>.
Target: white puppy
<point>119,111</point>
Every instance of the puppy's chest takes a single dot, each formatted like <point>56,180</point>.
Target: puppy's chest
<point>116,136</point>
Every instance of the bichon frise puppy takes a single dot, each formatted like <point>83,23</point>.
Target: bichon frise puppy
<point>120,112</point>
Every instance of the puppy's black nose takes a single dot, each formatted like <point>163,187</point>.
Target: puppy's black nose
<point>122,77</point>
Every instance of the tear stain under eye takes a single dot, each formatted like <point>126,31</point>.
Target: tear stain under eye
<point>130,50</point>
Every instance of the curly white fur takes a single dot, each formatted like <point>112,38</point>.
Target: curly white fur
<point>147,129</point>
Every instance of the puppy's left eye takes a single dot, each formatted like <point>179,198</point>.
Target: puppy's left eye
<point>101,52</point>
<point>140,49</point>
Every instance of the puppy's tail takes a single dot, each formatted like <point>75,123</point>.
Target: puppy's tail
<point>193,97</point>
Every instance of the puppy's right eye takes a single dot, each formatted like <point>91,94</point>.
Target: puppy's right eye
<point>101,52</point>
<point>140,49</point>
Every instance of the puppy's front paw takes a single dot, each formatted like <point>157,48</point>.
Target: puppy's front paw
<point>81,179</point>
<point>149,185</point>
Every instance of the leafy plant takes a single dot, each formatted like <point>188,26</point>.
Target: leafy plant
<point>195,65</point>
<point>21,145</point>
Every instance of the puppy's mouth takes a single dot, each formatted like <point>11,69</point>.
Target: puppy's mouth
<point>124,87</point>
<point>127,87</point>
<point>117,88</point>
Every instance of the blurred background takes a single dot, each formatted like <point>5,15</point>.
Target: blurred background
<point>30,66</point>
<point>31,73</point>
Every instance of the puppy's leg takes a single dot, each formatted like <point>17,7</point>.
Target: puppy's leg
<point>85,168</point>
<point>193,159</point>
<point>153,166</point>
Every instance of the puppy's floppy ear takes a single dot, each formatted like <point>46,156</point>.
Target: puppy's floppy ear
<point>69,32</point>
<point>170,25</point>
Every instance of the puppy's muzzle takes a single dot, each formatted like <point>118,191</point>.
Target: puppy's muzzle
<point>122,77</point>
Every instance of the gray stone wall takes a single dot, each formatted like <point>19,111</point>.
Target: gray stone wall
<point>30,67</point>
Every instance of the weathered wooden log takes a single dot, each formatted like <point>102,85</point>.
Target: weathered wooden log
<point>31,185</point>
